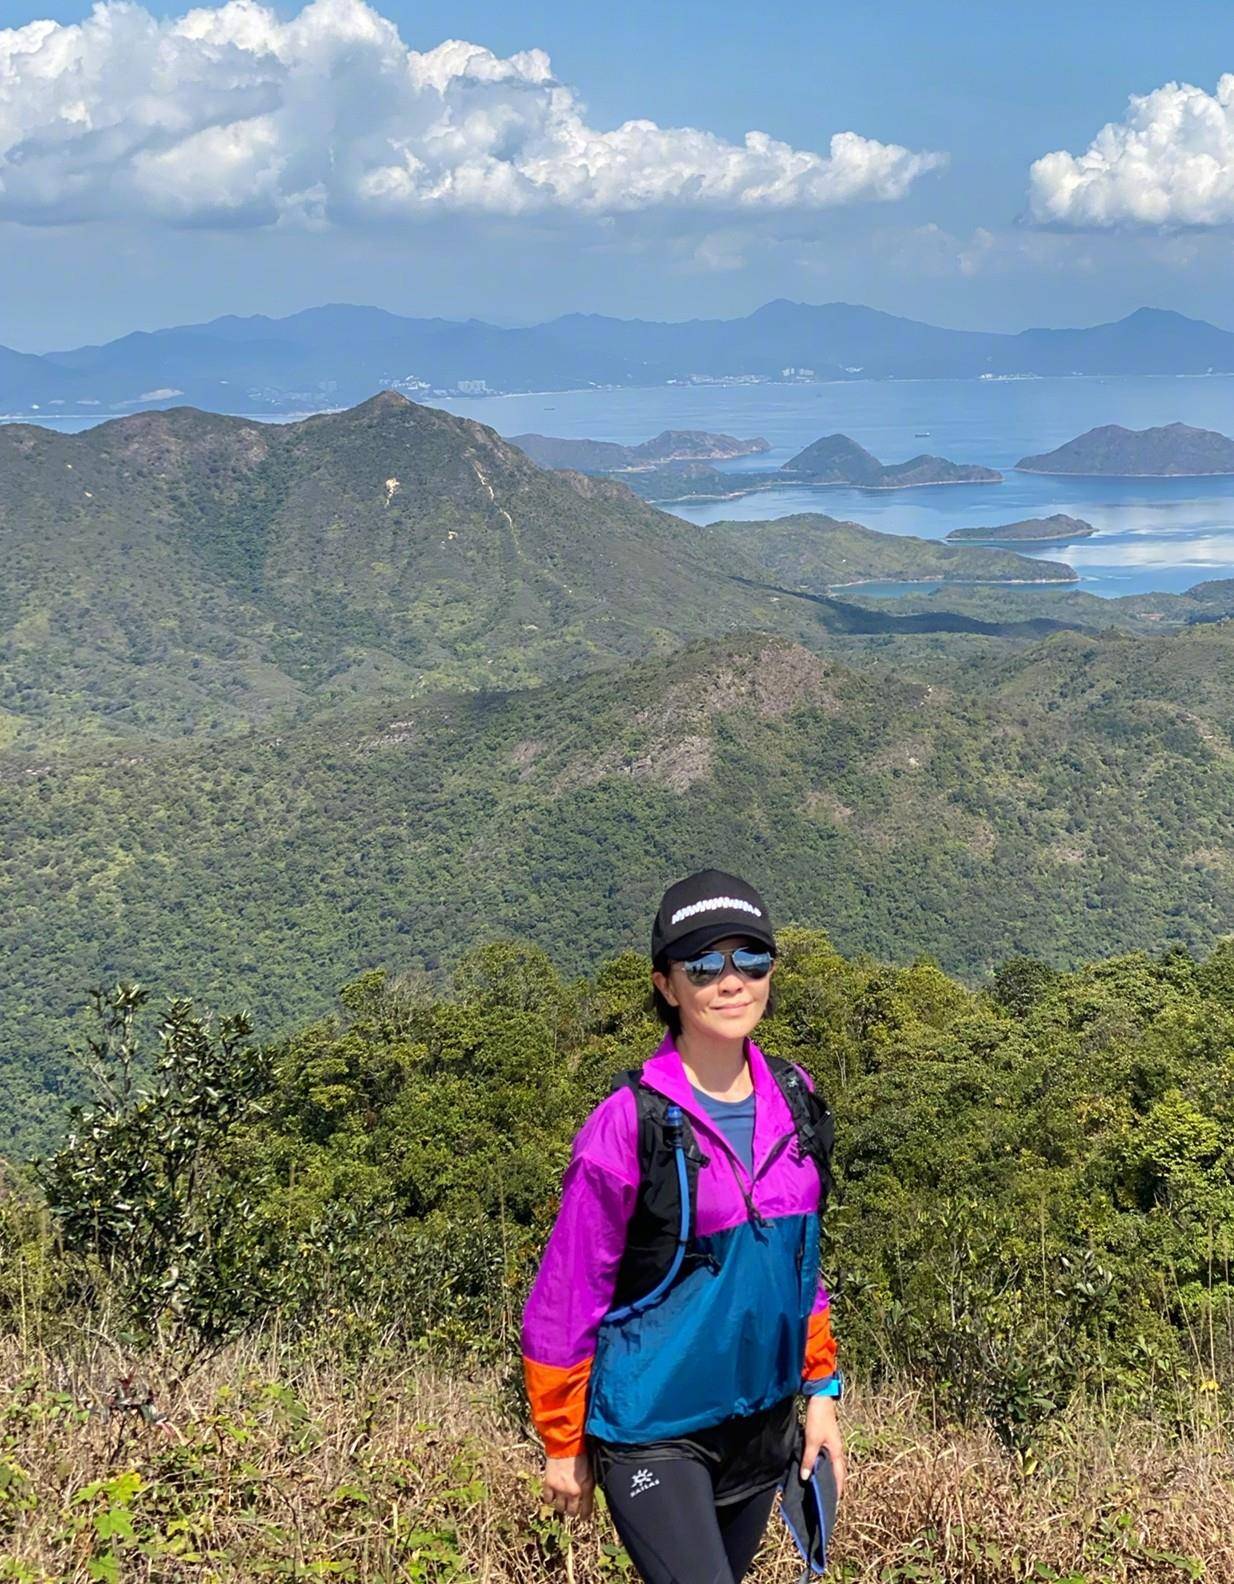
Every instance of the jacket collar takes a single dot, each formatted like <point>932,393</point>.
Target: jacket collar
<point>666,1073</point>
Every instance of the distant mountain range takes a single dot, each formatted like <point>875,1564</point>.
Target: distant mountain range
<point>336,355</point>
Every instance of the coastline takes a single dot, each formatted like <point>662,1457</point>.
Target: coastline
<point>965,582</point>
<point>283,415</point>
<point>800,483</point>
<point>1011,544</point>
<point>1127,477</point>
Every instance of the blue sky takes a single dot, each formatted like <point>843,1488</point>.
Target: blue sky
<point>93,244</point>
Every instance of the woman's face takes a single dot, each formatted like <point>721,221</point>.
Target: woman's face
<point>728,1008</point>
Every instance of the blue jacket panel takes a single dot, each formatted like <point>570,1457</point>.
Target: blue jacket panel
<point>726,1340</point>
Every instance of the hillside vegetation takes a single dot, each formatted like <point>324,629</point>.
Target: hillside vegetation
<point>178,573</point>
<point>811,551</point>
<point>1146,615</point>
<point>261,1303</point>
<point>1065,797</point>
<point>183,574</point>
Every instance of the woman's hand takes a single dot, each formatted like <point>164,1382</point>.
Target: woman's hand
<point>568,1486</point>
<point>823,1430</point>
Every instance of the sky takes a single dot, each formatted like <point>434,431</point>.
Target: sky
<point>973,165</point>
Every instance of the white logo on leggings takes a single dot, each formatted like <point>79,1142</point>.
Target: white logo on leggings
<point>644,1480</point>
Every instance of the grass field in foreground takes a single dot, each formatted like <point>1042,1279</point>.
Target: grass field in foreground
<point>387,1470</point>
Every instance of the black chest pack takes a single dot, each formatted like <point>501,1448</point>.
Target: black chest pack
<point>660,1241</point>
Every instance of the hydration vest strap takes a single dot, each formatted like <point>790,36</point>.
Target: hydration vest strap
<point>812,1120</point>
<point>674,1129</point>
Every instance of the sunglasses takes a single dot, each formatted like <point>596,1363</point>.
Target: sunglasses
<point>708,966</point>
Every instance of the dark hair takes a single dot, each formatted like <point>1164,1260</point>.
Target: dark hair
<point>659,1005</point>
<point>664,1010</point>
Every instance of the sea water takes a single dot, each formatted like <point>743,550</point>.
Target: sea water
<point>1152,534</point>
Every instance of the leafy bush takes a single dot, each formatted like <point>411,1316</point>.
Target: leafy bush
<point>141,1192</point>
<point>1036,1196</point>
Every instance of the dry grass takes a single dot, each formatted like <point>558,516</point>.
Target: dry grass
<point>387,1470</point>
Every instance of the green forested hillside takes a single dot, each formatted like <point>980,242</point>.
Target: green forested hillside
<point>228,759</point>
<point>1071,797</point>
<point>184,574</point>
<point>1148,615</point>
<point>1037,1181</point>
<point>813,551</point>
<point>175,573</point>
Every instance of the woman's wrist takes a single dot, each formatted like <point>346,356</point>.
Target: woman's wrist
<point>827,1386</point>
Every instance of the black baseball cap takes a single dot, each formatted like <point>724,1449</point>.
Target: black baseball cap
<point>704,908</point>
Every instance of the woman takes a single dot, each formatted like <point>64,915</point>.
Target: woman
<point>684,1409</point>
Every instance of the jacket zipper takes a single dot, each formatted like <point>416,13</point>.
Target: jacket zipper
<point>781,1144</point>
<point>777,1149</point>
<point>756,1217</point>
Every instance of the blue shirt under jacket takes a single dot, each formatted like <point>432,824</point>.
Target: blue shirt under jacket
<point>735,1119</point>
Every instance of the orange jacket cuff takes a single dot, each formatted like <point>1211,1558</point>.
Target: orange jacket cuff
<point>558,1399</point>
<point>820,1359</point>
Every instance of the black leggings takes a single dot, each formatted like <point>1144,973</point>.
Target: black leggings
<point>666,1515</point>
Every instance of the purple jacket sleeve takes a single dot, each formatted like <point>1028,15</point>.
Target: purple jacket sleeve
<point>574,1287</point>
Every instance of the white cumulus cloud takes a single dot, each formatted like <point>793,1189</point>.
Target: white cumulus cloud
<point>229,115</point>
<point>1169,162</point>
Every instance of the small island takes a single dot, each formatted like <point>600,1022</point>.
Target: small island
<point>815,553</point>
<point>1171,451</point>
<point>1058,529</point>
<point>838,459</point>
<point>606,456</point>
<point>686,481</point>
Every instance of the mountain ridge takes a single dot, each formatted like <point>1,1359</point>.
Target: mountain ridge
<point>906,814</point>
<point>177,572</point>
<point>220,568</point>
<point>333,354</point>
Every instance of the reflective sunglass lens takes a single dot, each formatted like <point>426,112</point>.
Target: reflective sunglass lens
<point>749,964</point>
<point>702,970</point>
